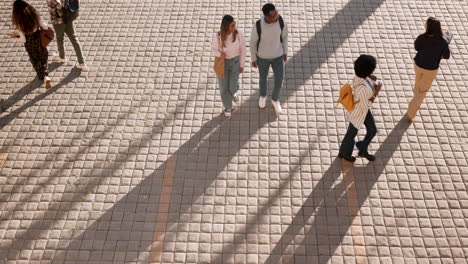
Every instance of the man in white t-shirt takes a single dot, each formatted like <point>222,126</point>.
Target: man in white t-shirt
<point>269,47</point>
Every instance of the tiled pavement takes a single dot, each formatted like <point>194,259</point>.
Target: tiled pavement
<point>132,162</point>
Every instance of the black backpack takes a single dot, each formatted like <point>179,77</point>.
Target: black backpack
<point>70,10</point>
<point>258,24</point>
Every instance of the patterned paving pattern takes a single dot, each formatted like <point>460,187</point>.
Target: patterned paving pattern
<point>132,162</point>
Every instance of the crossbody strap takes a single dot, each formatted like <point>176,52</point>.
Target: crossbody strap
<point>368,82</point>
<point>220,43</point>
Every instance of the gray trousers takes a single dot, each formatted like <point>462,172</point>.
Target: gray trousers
<point>60,30</point>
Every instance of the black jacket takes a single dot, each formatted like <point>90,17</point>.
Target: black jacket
<point>430,50</point>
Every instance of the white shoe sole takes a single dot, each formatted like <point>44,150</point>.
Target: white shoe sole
<point>262,106</point>
<point>59,60</point>
<point>82,68</point>
<point>276,109</point>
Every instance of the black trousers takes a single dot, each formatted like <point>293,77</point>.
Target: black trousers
<point>37,54</point>
<point>347,146</point>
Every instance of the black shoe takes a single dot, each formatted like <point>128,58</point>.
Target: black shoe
<point>368,156</point>
<point>350,158</point>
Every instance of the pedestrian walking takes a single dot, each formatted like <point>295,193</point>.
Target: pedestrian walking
<point>63,13</point>
<point>229,46</point>
<point>431,47</point>
<point>365,90</point>
<point>28,23</point>
<point>269,47</point>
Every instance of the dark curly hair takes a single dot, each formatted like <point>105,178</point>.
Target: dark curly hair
<point>365,65</point>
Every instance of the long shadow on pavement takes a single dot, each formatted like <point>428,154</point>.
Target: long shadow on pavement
<point>127,227</point>
<point>27,89</point>
<point>59,208</point>
<point>5,120</point>
<point>323,219</point>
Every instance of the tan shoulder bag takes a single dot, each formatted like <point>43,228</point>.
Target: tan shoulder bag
<point>219,62</point>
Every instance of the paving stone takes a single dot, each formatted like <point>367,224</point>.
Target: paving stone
<point>83,164</point>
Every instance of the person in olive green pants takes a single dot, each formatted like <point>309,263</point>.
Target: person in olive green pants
<point>63,24</point>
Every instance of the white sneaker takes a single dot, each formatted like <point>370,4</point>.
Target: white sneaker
<point>48,83</point>
<point>227,113</point>
<point>58,59</point>
<point>235,99</point>
<point>277,106</point>
<point>262,102</point>
<point>82,67</point>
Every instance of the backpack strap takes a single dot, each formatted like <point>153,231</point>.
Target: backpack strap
<point>369,83</point>
<point>281,22</point>
<point>259,31</point>
<point>258,25</point>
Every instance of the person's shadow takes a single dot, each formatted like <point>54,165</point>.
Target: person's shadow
<point>25,90</point>
<point>36,83</point>
<point>127,226</point>
<point>324,218</point>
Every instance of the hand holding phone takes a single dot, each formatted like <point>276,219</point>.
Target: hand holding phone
<point>448,36</point>
<point>378,86</point>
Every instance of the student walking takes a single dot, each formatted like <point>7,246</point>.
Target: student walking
<point>63,14</point>
<point>28,23</point>
<point>365,90</point>
<point>229,44</point>
<point>431,47</point>
<point>269,47</point>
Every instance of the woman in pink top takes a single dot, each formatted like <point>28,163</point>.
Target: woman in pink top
<point>229,44</point>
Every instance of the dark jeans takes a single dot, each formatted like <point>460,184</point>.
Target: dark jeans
<point>347,145</point>
<point>278,75</point>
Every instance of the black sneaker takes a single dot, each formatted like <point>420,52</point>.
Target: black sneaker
<point>350,158</point>
<point>368,156</point>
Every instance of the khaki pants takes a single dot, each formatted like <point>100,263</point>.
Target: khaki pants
<point>60,31</point>
<point>424,79</point>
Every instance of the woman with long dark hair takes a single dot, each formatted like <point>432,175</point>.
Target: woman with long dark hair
<point>431,47</point>
<point>28,23</point>
<point>229,44</point>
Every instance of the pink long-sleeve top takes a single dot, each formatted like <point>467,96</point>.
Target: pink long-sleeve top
<point>232,49</point>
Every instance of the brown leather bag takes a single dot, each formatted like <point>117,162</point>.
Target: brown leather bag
<point>219,62</point>
<point>46,36</point>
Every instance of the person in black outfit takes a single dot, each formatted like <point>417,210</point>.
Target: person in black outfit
<point>431,47</point>
<point>28,23</point>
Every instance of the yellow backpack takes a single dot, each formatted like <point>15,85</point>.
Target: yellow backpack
<point>346,97</point>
